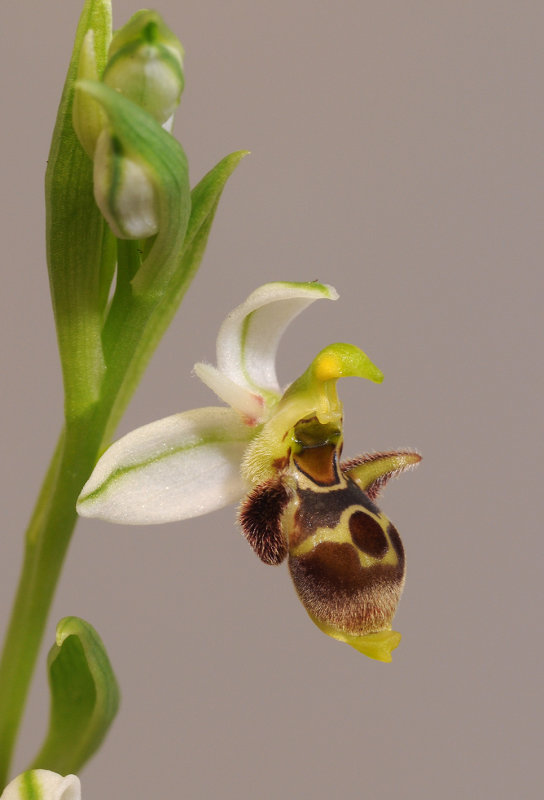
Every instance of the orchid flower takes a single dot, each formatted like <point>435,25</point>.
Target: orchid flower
<point>281,451</point>
<point>42,784</point>
<point>189,464</point>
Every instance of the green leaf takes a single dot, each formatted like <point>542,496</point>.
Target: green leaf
<point>206,194</point>
<point>80,248</point>
<point>84,697</point>
<point>204,201</point>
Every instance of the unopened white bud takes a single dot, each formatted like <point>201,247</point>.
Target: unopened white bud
<point>44,784</point>
<point>145,63</point>
<point>124,191</point>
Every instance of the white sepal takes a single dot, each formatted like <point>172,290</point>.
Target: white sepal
<point>248,339</point>
<point>178,467</point>
<point>42,784</point>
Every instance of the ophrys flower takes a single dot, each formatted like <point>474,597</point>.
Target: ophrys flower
<point>281,450</point>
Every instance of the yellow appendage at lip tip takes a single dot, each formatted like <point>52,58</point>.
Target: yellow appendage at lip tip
<point>378,646</point>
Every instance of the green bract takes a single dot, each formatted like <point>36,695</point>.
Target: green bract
<point>84,697</point>
<point>80,247</point>
<point>88,119</point>
<point>139,178</point>
<point>139,170</point>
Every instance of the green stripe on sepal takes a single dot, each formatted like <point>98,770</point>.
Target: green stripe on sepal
<point>140,139</point>
<point>29,788</point>
<point>84,697</point>
<point>174,468</point>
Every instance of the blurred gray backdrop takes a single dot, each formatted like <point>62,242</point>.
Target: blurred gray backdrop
<point>397,154</point>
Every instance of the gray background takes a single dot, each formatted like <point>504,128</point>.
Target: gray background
<point>397,154</point>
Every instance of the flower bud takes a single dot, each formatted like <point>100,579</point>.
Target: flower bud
<point>44,784</point>
<point>123,190</point>
<point>145,63</point>
<point>87,116</point>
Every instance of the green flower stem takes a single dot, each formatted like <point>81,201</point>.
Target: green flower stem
<point>46,543</point>
<point>48,537</point>
<point>54,518</point>
<point>132,331</point>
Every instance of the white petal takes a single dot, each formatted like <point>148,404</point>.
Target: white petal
<point>42,784</point>
<point>249,337</point>
<point>247,403</point>
<point>178,467</point>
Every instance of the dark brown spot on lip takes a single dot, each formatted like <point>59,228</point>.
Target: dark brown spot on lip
<point>324,509</point>
<point>368,535</point>
<point>335,564</point>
